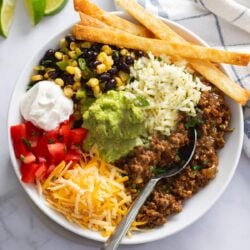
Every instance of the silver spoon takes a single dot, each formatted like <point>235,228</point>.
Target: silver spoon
<point>186,153</point>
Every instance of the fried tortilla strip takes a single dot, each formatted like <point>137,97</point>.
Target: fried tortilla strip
<point>162,31</point>
<point>158,47</point>
<point>91,9</point>
<point>87,20</point>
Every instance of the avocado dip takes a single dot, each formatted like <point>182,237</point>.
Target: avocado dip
<point>115,122</point>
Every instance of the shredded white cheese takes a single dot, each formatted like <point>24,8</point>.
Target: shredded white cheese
<point>168,88</point>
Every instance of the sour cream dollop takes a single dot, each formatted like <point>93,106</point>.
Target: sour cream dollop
<point>45,105</point>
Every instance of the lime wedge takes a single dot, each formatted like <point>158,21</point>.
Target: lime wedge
<point>7,8</point>
<point>36,10</point>
<point>54,6</point>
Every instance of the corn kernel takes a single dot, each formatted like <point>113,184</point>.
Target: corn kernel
<point>92,82</point>
<point>78,51</point>
<point>96,91</point>
<point>124,76</point>
<point>70,70</point>
<point>119,82</point>
<point>73,45</point>
<point>138,180</point>
<point>102,57</point>
<point>132,54</point>
<point>65,57</point>
<point>85,45</point>
<point>72,54</point>
<point>78,74</point>
<point>36,78</point>
<point>59,55</point>
<point>101,68</point>
<point>109,62</point>
<point>73,63</point>
<point>63,43</point>
<point>124,52</point>
<point>59,82</point>
<point>76,86</point>
<point>68,91</point>
<point>106,49</point>
<point>46,76</point>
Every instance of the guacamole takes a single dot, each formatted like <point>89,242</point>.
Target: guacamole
<point>115,121</point>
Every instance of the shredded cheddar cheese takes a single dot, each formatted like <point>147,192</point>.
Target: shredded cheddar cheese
<point>91,194</point>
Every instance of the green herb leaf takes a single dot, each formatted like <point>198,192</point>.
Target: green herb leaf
<point>26,142</point>
<point>193,122</point>
<point>158,171</point>
<point>141,101</point>
<point>82,63</point>
<point>196,167</point>
<point>159,58</point>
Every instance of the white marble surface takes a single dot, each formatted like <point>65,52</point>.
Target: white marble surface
<point>22,226</point>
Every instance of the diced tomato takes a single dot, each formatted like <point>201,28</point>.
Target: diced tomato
<point>32,130</point>
<point>77,135</point>
<point>41,159</point>
<point>41,150</point>
<point>41,171</point>
<point>72,155</point>
<point>28,158</point>
<point>57,151</point>
<point>53,136</point>
<point>64,131</point>
<point>18,132</point>
<point>28,172</point>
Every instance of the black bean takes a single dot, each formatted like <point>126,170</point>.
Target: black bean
<point>113,70</point>
<point>124,67</point>
<point>70,39</point>
<point>68,79</point>
<point>41,72</point>
<point>90,55</point>
<point>77,123</point>
<point>139,53</point>
<point>96,47</point>
<point>53,74</point>
<point>104,77</point>
<point>129,60</point>
<point>94,64</point>
<point>50,54</point>
<point>111,84</point>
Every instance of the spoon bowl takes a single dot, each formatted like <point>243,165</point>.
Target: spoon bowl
<point>186,153</point>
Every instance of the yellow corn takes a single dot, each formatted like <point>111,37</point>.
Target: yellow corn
<point>102,57</point>
<point>96,91</point>
<point>124,52</point>
<point>124,76</point>
<point>78,74</point>
<point>72,54</point>
<point>101,68</point>
<point>36,78</point>
<point>106,49</point>
<point>76,86</point>
<point>119,82</point>
<point>63,43</point>
<point>73,63</point>
<point>70,70</point>
<point>73,45</point>
<point>92,82</point>
<point>59,82</point>
<point>59,55</point>
<point>68,91</point>
<point>85,45</point>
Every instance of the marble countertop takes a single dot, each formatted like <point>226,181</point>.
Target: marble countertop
<point>23,226</point>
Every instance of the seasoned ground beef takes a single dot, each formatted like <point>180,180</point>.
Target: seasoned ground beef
<point>212,122</point>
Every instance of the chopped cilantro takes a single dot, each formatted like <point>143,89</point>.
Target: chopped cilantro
<point>141,101</point>
<point>159,58</point>
<point>26,142</point>
<point>158,171</point>
<point>193,122</point>
<point>196,167</point>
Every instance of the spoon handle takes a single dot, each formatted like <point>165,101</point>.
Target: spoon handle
<point>114,240</point>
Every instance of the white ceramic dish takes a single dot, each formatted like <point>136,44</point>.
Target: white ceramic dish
<point>193,208</point>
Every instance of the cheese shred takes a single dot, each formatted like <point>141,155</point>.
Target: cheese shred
<point>91,194</point>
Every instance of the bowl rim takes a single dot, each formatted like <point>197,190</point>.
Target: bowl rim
<point>126,241</point>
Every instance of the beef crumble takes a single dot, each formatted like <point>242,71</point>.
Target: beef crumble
<point>144,162</point>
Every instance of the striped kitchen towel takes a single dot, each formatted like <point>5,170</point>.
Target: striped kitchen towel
<point>200,16</point>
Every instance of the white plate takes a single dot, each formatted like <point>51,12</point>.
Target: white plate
<point>193,208</point>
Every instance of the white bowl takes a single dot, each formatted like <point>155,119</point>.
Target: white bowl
<point>193,208</point>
